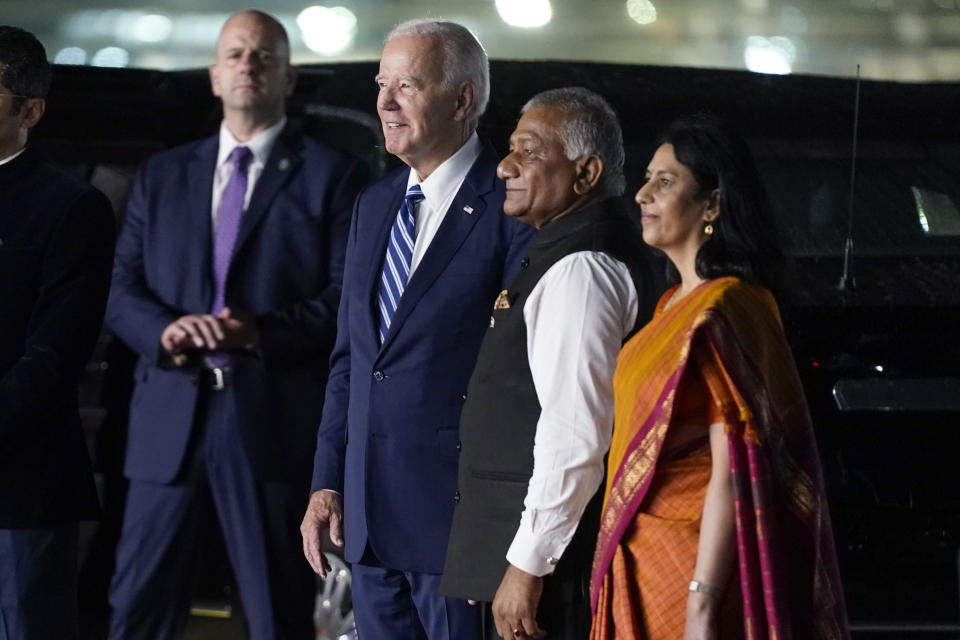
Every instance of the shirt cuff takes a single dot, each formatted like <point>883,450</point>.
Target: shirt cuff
<point>534,554</point>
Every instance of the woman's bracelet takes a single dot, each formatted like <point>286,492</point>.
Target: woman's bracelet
<point>713,592</point>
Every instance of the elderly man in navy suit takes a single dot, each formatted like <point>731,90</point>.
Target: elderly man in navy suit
<point>56,246</point>
<point>226,283</point>
<point>428,252</point>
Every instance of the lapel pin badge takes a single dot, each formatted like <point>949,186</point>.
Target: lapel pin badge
<point>468,209</point>
<point>503,300</point>
<point>284,164</point>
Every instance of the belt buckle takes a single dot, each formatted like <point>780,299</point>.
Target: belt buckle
<point>217,378</point>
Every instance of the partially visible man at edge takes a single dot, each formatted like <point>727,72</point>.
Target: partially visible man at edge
<point>56,247</point>
<point>539,412</point>
<point>226,284</point>
<point>429,249</point>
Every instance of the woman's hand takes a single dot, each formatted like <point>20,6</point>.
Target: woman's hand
<point>717,549</point>
<point>701,617</point>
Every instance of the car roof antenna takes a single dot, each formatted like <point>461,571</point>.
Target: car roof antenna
<point>847,281</point>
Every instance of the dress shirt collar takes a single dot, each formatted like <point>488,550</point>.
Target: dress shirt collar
<point>12,156</point>
<point>260,144</point>
<point>446,179</point>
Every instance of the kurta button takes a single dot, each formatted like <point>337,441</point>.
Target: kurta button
<point>456,497</point>
<point>378,376</point>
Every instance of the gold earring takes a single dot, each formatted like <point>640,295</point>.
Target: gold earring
<point>708,229</point>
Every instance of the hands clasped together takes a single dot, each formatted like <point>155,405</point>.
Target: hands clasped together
<point>227,330</point>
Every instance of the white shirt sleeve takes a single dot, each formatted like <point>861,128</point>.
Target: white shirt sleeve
<point>577,317</point>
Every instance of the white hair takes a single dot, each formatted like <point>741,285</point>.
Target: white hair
<point>464,59</point>
<point>591,128</point>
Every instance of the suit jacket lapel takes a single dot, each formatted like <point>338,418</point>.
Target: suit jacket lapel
<point>380,237</point>
<point>469,205</point>
<point>283,162</point>
<point>199,231</point>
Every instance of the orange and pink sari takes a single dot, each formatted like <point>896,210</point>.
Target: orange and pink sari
<point>729,334</point>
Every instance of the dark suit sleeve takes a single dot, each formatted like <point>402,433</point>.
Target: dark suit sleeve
<point>134,312</point>
<point>301,330</point>
<point>328,460</point>
<point>68,312</point>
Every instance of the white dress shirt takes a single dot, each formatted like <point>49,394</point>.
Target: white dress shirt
<point>439,190</point>
<point>260,145</point>
<point>577,317</point>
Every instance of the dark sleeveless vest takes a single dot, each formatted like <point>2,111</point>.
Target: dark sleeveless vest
<point>499,418</point>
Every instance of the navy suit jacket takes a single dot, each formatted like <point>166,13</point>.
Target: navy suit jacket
<point>56,246</point>
<point>286,270</point>
<point>389,436</point>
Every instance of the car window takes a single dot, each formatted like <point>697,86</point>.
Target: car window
<point>906,200</point>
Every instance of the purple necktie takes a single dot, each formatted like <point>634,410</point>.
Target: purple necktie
<point>228,224</point>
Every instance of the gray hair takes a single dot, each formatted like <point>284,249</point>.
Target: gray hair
<point>591,128</point>
<point>464,59</point>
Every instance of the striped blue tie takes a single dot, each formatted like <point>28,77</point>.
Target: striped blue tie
<point>396,265</point>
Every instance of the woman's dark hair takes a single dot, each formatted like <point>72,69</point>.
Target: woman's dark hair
<point>744,242</point>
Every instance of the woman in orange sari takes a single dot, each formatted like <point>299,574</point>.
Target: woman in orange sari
<point>715,523</point>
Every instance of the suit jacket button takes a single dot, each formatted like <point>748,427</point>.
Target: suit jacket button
<point>378,376</point>
<point>456,497</point>
<point>463,397</point>
<point>459,446</point>
<point>525,262</point>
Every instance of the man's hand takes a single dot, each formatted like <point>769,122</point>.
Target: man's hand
<point>191,332</point>
<point>515,605</point>
<point>325,511</point>
<point>227,330</point>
